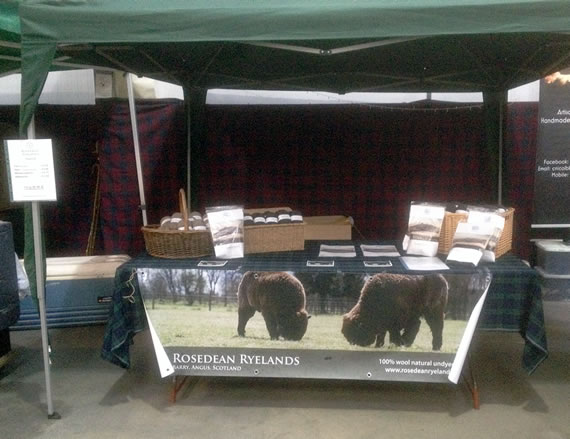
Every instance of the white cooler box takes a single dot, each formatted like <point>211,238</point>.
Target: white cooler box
<point>553,256</point>
<point>78,292</point>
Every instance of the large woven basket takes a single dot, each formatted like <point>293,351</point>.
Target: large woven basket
<point>177,244</point>
<point>451,220</point>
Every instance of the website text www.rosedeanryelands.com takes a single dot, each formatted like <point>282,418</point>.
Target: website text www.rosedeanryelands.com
<point>416,367</point>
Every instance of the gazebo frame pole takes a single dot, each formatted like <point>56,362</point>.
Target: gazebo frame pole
<point>133,113</point>
<point>40,288</point>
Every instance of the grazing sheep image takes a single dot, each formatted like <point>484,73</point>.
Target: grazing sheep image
<point>395,302</point>
<point>279,297</point>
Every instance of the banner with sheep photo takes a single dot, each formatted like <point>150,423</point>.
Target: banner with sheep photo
<point>383,326</point>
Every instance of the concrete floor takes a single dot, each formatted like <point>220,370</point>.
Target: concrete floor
<point>99,400</point>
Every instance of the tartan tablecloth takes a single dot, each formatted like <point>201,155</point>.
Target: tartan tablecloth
<point>513,302</point>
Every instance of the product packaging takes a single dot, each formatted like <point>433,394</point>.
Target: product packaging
<point>226,227</point>
<point>424,226</point>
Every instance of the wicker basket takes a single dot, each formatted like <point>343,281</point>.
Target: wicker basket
<point>448,227</point>
<point>451,220</point>
<point>177,244</point>
<point>275,237</point>
<point>506,240</point>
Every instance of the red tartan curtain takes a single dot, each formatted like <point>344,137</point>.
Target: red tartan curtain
<point>518,171</point>
<point>162,139</point>
<point>75,132</point>
<point>362,161</point>
<point>66,222</point>
<point>366,162</point>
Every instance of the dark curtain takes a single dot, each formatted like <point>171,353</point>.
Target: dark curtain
<point>518,171</point>
<point>66,222</point>
<point>364,161</point>
<point>162,139</point>
<point>91,139</point>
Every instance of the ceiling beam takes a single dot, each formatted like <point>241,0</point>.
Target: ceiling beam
<point>334,51</point>
<point>164,71</point>
<point>114,61</point>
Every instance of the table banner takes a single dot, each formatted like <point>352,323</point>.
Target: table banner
<point>377,326</point>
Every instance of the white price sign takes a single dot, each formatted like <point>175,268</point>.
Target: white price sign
<point>30,169</point>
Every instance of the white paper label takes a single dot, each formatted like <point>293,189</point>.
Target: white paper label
<point>31,170</point>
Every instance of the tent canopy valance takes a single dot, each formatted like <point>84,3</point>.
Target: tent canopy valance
<point>338,46</point>
<point>296,20</point>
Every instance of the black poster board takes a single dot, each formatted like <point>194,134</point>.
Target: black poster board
<point>552,178</point>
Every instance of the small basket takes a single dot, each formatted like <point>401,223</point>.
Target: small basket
<point>177,244</point>
<point>451,220</point>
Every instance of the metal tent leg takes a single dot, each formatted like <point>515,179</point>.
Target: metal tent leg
<point>471,383</point>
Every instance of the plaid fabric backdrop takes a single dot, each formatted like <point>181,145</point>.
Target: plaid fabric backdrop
<point>518,171</point>
<point>162,139</point>
<point>86,136</point>
<point>363,161</point>
<point>66,222</point>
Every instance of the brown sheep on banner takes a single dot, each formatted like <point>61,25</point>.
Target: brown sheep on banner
<point>394,302</point>
<point>279,297</point>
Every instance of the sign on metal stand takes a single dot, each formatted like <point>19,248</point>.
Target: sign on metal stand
<point>32,179</point>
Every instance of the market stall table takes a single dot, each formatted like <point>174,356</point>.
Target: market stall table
<point>513,302</point>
